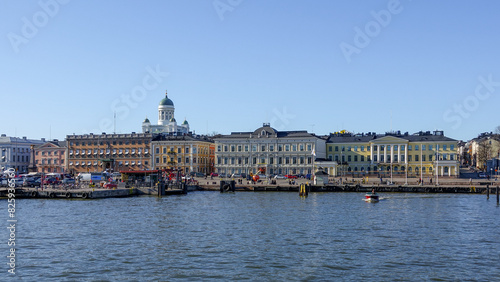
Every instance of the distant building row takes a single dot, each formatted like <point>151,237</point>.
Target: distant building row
<point>168,145</point>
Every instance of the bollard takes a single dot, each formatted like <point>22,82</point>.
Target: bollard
<point>487,192</point>
<point>497,196</point>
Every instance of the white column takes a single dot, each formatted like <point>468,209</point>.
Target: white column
<point>371,153</point>
<point>378,153</point>
<point>392,153</point>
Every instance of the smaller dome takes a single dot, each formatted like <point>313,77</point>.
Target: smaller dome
<point>172,120</point>
<point>146,121</point>
<point>185,122</point>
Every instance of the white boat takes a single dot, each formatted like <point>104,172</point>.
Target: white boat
<point>371,197</point>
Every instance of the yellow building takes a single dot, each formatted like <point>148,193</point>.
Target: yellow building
<point>422,154</point>
<point>189,153</point>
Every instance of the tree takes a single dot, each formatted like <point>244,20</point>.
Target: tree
<point>483,153</point>
<point>497,129</point>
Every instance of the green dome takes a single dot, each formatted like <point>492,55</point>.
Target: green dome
<point>173,120</point>
<point>185,122</point>
<point>146,121</point>
<point>166,102</point>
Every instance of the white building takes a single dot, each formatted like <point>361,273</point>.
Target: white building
<point>166,120</point>
<point>268,151</point>
<point>16,152</point>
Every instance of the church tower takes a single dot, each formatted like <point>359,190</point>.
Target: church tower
<point>165,110</point>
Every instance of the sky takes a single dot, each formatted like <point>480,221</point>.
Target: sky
<point>78,67</point>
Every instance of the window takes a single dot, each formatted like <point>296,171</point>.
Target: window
<point>280,148</point>
<point>287,148</point>
<point>355,158</point>
<point>409,147</point>
<point>336,148</point>
<point>416,158</point>
<point>219,148</point>
<point>355,148</point>
<point>423,147</point>
<point>187,150</point>
<point>416,147</point>
<point>452,147</point>
<point>362,158</point>
<point>423,157</point>
<point>430,147</point>
<point>349,158</point>
<point>157,150</point>
<point>233,148</point>
<point>309,147</point>
<point>329,148</point>
<point>409,157</point>
<point>444,147</point>
<point>348,148</point>
<point>246,148</point>
<point>294,147</point>
<point>263,148</point>
<point>164,150</point>
<point>301,147</point>
<point>362,148</point>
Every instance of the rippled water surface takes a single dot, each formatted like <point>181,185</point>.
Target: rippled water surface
<point>257,236</point>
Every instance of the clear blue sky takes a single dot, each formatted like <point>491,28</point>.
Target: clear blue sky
<point>230,65</point>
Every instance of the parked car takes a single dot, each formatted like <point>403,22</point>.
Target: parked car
<point>290,176</point>
<point>68,181</point>
<point>50,181</point>
<point>482,175</point>
<point>197,174</point>
<point>18,182</point>
<point>279,176</point>
<point>236,175</point>
<point>32,182</point>
<point>214,174</point>
<point>110,185</point>
<point>222,175</point>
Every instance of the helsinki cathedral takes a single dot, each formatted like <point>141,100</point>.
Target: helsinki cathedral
<point>166,121</point>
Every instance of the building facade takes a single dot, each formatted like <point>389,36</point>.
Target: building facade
<point>417,155</point>
<point>167,123</point>
<point>109,152</point>
<point>17,152</point>
<point>50,157</point>
<point>188,153</point>
<point>268,151</point>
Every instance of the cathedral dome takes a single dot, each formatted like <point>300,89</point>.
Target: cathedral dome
<point>166,102</point>
<point>173,120</point>
<point>185,122</point>
<point>146,121</point>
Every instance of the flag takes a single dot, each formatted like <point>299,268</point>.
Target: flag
<point>313,152</point>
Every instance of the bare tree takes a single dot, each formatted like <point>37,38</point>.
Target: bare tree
<point>497,129</point>
<point>483,153</point>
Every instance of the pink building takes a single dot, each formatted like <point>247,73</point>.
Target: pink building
<point>51,157</point>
